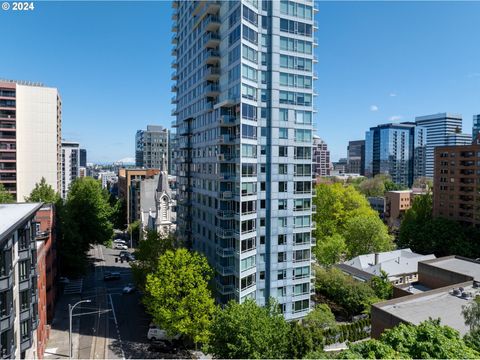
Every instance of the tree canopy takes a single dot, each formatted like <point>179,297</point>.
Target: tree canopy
<point>425,234</point>
<point>5,197</point>
<point>84,219</point>
<point>427,340</point>
<point>147,254</point>
<point>248,331</point>
<point>178,297</point>
<point>353,296</point>
<point>346,224</point>
<point>43,192</point>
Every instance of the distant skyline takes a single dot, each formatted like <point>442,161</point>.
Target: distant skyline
<point>378,62</point>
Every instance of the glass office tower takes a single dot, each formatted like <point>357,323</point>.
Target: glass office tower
<point>243,74</point>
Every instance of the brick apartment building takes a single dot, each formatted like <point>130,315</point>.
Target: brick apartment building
<point>47,272</point>
<point>457,183</point>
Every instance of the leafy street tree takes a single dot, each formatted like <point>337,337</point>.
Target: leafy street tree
<point>366,234</point>
<point>43,192</point>
<point>427,340</point>
<point>330,250</point>
<point>84,220</point>
<point>147,254</point>
<point>248,331</point>
<point>179,299</point>
<point>382,286</point>
<point>5,197</point>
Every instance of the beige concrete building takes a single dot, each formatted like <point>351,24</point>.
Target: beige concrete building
<point>30,136</point>
<point>396,203</point>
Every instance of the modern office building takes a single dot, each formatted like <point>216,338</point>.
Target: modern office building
<point>475,128</point>
<point>151,147</point>
<point>30,137</point>
<point>83,158</point>
<point>70,165</point>
<point>18,286</point>
<point>356,157</point>
<point>397,150</point>
<point>243,73</point>
<point>456,182</point>
<point>321,157</point>
<point>440,128</point>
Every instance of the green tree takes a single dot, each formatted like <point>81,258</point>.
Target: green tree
<point>382,286</point>
<point>147,254</point>
<point>5,197</point>
<point>352,295</point>
<point>43,192</point>
<point>330,250</point>
<point>372,187</point>
<point>336,204</point>
<point>471,314</point>
<point>135,231</point>
<point>427,340</point>
<point>179,299</point>
<point>84,220</point>
<point>248,331</point>
<point>321,317</point>
<point>301,341</point>
<point>365,234</point>
<point>425,234</point>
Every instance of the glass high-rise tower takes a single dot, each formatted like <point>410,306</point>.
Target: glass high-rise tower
<point>243,74</point>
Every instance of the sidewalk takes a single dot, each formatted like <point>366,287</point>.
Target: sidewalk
<point>57,344</point>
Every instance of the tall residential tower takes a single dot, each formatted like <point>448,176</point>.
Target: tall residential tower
<point>243,74</point>
<point>151,147</point>
<point>70,165</point>
<point>30,136</point>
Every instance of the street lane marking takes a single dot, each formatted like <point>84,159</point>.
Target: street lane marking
<point>116,326</point>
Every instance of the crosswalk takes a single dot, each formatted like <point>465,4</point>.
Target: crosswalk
<point>73,287</point>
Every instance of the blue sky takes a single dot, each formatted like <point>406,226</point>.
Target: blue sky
<point>378,61</point>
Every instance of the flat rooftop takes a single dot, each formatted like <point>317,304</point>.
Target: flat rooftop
<point>12,214</point>
<point>432,304</point>
<point>458,265</point>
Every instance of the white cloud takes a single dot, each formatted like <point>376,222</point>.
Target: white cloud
<point>373,108</point>
<point>395,118</point>
<point>392,94</point>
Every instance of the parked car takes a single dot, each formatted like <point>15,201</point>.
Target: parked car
<point>156,334</point>
<point>120,246</point>
<point>129,288</point>
<point>119,241</point>
<point>111,276</point>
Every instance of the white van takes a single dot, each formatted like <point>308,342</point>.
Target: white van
<point>154,333</point>
<point>119,241</point>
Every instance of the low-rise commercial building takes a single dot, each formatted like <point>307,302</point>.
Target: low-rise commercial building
<point>396,204</point>
<point>377,203</point>
<point>445,285</point>
<point>400,265</point>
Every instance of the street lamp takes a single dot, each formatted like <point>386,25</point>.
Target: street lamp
<point>70,311</point>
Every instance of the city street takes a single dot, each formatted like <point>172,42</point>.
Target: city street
<point>114,325</point>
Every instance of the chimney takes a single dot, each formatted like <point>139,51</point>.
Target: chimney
<point>376,259</point>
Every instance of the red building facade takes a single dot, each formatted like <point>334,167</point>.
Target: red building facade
<point>47,272</point>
